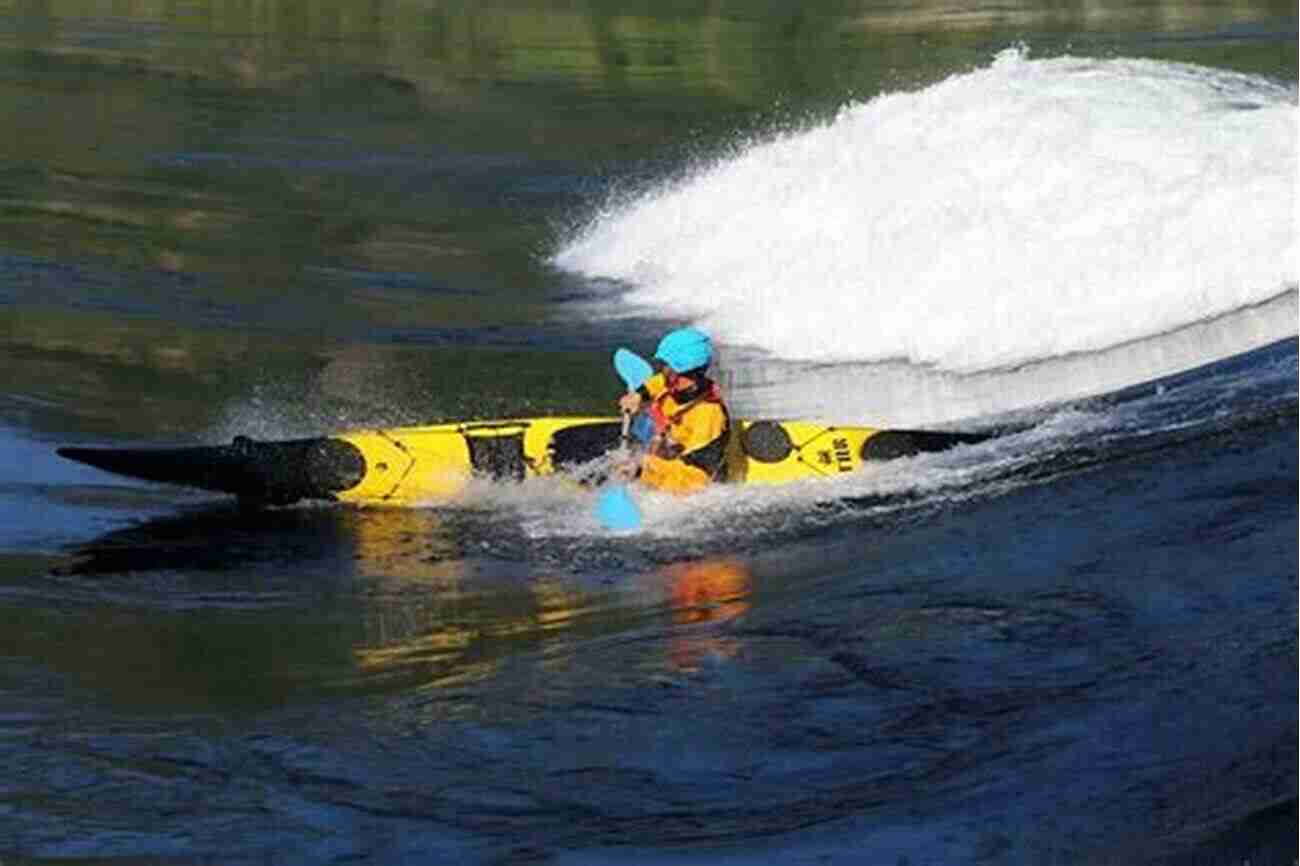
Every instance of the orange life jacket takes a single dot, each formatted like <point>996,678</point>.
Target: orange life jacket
<point>688,451</point>
<point>664,419</point>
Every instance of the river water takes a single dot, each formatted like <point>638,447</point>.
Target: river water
<point>1070,224</point>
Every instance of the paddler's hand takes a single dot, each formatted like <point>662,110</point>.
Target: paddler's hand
<point>630,402</point>
<point>626,471</point>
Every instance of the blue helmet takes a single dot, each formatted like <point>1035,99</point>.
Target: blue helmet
<point>685,350</point>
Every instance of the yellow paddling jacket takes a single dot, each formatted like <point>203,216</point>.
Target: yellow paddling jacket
<point>688,451</point>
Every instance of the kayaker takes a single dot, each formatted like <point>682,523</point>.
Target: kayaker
<point>687,449</point>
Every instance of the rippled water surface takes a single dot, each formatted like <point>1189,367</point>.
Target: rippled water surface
<point>1072,226</point>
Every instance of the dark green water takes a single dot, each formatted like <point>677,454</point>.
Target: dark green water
<point>1073,646</point>
<point>354,204</point>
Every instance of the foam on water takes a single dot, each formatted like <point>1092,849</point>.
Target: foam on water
<point>1040,445</point>
<point>1025,211</point>
<point>729,517</point>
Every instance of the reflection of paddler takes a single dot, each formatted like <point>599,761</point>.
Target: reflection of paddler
<point>710,590</point>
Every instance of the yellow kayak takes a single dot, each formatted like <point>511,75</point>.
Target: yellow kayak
<point>411,466</point>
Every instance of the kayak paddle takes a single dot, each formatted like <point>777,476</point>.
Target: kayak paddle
<point>616,509</point>
<point>632,368</point>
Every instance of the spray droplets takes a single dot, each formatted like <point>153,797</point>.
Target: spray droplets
<point>1028,210</point>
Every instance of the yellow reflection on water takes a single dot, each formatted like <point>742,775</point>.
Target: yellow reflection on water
<point>436,622</point>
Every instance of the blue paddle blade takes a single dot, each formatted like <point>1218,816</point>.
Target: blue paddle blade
<point>616,509</point>
<point>632,368</point>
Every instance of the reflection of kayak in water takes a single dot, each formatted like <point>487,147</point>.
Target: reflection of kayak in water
<point>417,465</point>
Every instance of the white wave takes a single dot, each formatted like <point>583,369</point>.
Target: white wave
<point>1024,211</point>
